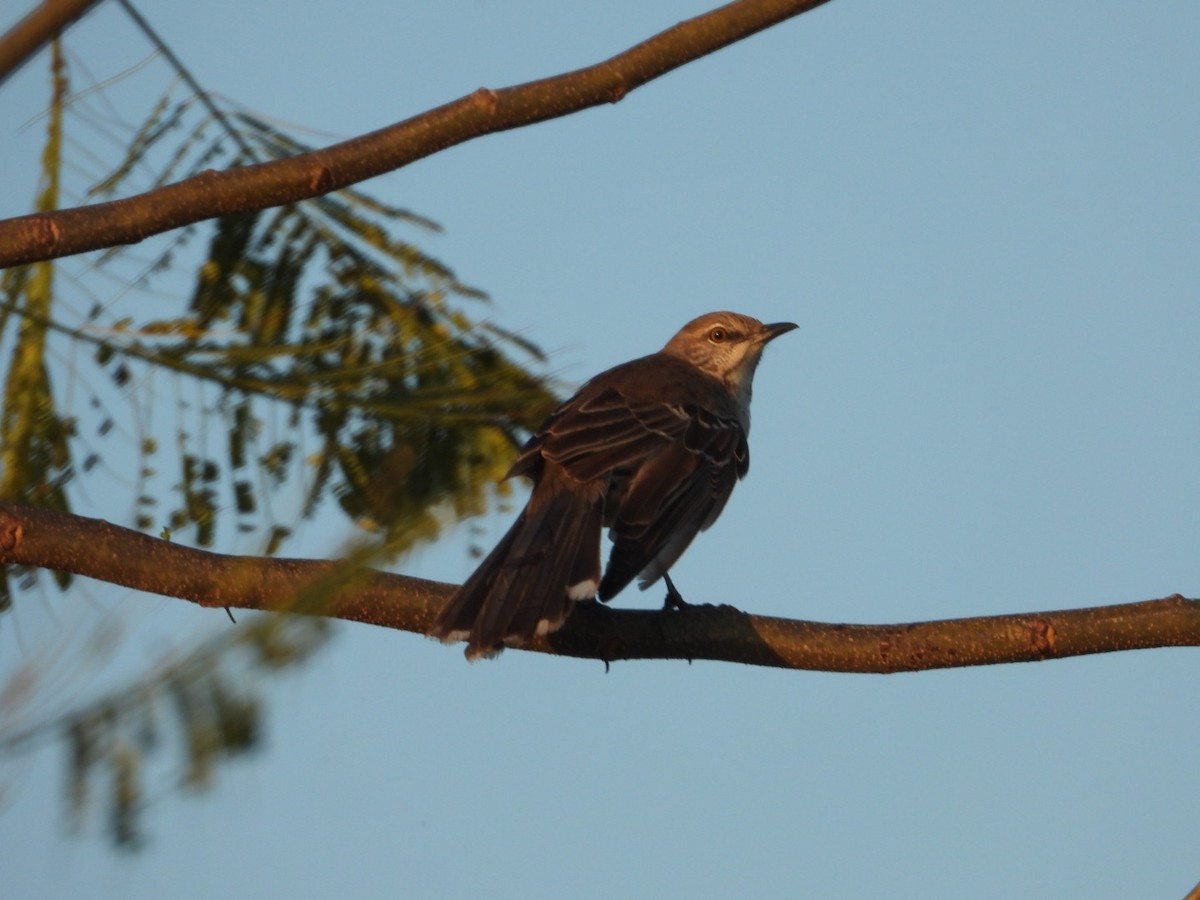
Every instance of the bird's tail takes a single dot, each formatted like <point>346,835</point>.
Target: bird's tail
<point>526,586</point>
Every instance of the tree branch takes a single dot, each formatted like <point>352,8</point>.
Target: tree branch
<point>210,194</point>
<point>37,29</point>
<point>53,540</point>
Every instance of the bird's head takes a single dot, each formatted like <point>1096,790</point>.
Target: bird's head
<point>726,346</point>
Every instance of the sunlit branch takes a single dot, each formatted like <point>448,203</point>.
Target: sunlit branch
<point>38,28</point>
<point>210,194</point>
<point>54,540</point>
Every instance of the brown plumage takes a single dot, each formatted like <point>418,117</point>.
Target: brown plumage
<point>650,449</point>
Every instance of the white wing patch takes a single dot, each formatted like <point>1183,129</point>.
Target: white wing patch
<point>584,590</point>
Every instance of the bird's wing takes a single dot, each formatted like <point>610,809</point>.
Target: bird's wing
<point>596,434</point>
<point>670,463</point>
<point>674,496</point>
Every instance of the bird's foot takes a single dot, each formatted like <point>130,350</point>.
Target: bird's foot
<point>674,599</point>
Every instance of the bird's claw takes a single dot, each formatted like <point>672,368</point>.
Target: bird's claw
<point>674,599</point>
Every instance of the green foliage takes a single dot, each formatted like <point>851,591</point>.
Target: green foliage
<point>416,406</point>
<point>35,456</point>
<point>317,353</point>
<point>204,701</point>
<point>315,310</point>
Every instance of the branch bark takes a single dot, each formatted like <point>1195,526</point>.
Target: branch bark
<point>44,23</point>
<point>210,194</point>
<point>53,540</point>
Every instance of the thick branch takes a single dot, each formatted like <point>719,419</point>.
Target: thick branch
<point>210,193</point>
<point>53,540</point>
<point>37,29</point>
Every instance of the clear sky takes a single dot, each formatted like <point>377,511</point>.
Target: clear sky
<point>986,220</point>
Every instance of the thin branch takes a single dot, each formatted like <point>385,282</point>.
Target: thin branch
<point>210,194</point>
<point>177,64</point>
<point>42,25</point>
<point>54,540</point>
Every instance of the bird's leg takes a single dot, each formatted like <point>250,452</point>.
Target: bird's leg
<point>674,599</point>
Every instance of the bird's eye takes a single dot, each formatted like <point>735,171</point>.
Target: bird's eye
<point>718,334</point>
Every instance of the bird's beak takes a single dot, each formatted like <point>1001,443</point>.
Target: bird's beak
<point>770,332</point>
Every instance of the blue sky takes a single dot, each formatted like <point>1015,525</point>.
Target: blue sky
<point>986,220</point>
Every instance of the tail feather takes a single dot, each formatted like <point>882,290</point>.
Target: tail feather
<point>457,619</point>
<point>572,531</point>
<point>523,588</point>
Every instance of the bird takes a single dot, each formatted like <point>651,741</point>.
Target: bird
<point>651,450</point>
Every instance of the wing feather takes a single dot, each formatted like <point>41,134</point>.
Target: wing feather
<point>668,452</point>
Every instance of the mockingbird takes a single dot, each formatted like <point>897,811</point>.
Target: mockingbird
<point>650,449</point>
